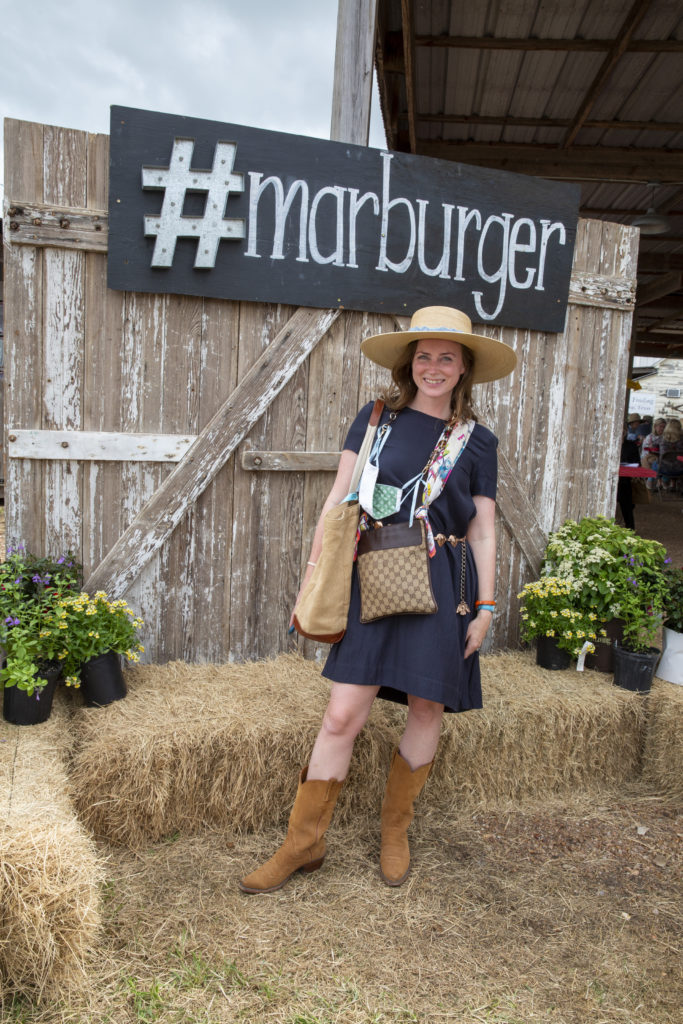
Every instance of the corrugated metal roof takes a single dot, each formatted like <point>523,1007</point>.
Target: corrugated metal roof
<point>583,91</point>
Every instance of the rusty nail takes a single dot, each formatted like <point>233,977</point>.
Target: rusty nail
<point>64,223</point>
<point>257,460</point>
<point>13,226</point>
<point>13,437</point>
<point>36,220</point>
<point>65,444</point>
<point>12,212</point>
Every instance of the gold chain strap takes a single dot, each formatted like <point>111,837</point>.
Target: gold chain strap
<point>441,539</point>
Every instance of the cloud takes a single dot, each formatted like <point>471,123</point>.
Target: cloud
<point>264,63</point>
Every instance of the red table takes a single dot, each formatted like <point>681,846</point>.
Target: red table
<point>625,470</point>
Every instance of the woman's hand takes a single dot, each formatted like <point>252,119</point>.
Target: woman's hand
<point>476,631</point>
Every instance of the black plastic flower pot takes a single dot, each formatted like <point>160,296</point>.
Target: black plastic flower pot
<point>634,670</point>
<point>102,680</point>
<point>549,655</point>
<point>603,658</point>
<point>20,709</point>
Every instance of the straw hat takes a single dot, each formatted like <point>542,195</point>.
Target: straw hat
<point>633,418</point>
<point>492,359</point>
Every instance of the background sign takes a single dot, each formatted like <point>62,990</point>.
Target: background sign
<point>203,208</point>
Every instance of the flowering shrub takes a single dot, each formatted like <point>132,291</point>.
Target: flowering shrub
<point>84,627</point>
<point>614,573</point>
<point>549,608</point>
<point>30,587</point>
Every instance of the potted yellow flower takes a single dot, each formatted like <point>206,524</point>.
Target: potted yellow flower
<point>552,617</point>
<point>96,633</point>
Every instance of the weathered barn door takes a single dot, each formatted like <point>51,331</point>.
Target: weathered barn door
<point>181,446</point>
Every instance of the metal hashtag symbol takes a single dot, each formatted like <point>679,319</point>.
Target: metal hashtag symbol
<point>175,181</point>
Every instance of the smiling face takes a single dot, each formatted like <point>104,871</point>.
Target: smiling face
<point>437,367</point>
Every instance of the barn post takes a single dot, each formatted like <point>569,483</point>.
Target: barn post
<point>353,63</point>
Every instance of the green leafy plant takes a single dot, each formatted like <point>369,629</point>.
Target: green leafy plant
<point>673,597</point>
<point>614,573</point>
<point>92,626</point>
<point>31,588</point>
<point>550,608</point>
<point>640,596</point>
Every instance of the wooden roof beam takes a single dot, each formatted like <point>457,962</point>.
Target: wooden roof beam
<point>616,51</point>
<point>552,45</point>
<point>659,261</point>
<point>581,163</point>
<point>663,285</point>
<point>666,350</point>
<point>655,327</point>
<point>548,122</point>
<point>409,64</point>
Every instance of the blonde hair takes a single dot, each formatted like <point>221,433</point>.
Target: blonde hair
<point>405,389</point>
<point>672,431</point>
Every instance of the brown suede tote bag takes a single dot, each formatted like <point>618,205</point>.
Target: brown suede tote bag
<point>323,608</point>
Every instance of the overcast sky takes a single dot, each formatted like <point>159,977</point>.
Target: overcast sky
<point>263,63</point>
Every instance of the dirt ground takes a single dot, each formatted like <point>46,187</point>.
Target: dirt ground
<point>568,913</point>
<point>662,520</point>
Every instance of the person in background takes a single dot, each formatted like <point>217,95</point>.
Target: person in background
<point>633,423</point>
<point>643,430</point>
<point>630,456</point>
<point>670,447</point>
<point>649,450</point>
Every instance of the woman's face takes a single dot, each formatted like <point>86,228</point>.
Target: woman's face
<point>437,366</point>
<point>659,427</point>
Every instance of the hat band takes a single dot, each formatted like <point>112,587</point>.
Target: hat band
<point>455,330</point>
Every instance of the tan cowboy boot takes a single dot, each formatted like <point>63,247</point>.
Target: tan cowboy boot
<point>403,785</point>
<point>304,845</point>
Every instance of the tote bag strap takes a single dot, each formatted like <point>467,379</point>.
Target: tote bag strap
<point>366,446</point>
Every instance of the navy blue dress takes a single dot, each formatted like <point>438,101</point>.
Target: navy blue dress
<point>422,655</point>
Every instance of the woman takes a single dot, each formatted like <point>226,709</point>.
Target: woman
<point>429,662</point>
<point>670,447</point>
<point>650,448</point>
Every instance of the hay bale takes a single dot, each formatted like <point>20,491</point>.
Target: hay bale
<point>198,746</point>
<point>49,869</point>
<point>663,751</point>
<point>540,734</point>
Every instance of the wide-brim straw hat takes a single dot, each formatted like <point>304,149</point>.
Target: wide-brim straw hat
<point>492,359</point>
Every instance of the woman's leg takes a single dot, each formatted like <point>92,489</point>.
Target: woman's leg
<point>319,786</point>
<point>346,713</point>
<point>410,768</point>
<point>421,734</point>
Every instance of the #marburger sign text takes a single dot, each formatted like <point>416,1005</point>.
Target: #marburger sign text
<point>203,208</point>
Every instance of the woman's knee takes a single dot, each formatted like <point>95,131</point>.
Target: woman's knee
<point>343,719</point>
<point>424,711</point>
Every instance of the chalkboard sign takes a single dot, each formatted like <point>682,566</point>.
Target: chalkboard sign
<point>200,207</point>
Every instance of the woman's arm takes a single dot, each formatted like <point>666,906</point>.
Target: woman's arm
<point>481,537</point>
<point>340,488</point>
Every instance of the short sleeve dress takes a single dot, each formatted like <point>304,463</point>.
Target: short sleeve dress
<point>422,655</point>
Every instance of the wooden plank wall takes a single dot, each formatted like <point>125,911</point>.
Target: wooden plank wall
<point>79,356</point>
